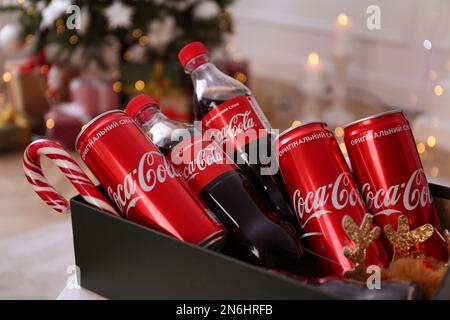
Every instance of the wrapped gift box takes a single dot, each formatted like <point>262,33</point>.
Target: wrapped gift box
<point>94,95</point>
<point>64,122</point>
<point>15,129</point>
<point>27,90</point>
<point>11,137</point>
<point>122,260</point>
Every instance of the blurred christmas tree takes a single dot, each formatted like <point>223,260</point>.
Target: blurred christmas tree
<point>136,42</point>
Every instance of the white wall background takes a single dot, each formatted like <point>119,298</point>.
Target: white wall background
<point>392,62</point>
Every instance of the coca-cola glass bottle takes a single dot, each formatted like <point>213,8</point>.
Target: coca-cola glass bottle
<point>255,234</point>
<point>228,110</point>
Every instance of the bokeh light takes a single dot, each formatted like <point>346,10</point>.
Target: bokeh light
<point>139,85</point>
<point>342,19</point>
<point>313,58</point>
<point>50,123</point>
<point>421,147</point>
<point>339,132</point>
<point>434,171</point>
<point>431,141</point>
<point>7,76</point>
<point>438,90</point>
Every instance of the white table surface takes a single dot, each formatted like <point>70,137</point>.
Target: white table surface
<point>78,294</point>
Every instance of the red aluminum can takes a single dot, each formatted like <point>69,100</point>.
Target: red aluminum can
<point>391,178</point>
<point>141,181</point>
<point>322,192</point>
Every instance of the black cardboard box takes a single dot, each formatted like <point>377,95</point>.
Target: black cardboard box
<point>119,259</point>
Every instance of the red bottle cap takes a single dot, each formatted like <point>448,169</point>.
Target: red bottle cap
<point>190,51</point>
<point>137,103</point>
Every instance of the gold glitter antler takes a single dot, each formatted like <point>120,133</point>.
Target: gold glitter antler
<point>362,237</point>
<point>447,240</point>
<point>404,239</point>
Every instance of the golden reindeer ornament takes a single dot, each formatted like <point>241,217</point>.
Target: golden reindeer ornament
<point>403,239</point>
<point>362,236</point>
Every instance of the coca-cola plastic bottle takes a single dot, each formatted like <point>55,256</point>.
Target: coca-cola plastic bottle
<point>255,234</point>
<point>227,106</point>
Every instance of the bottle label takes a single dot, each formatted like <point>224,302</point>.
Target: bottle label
<point>235,123</point>
<point>199,161</point>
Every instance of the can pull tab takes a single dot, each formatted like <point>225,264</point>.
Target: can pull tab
<point>70,169</point>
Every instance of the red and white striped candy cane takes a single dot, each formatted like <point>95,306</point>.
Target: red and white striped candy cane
<point>70,169</point>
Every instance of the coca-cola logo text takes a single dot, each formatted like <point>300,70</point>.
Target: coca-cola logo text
<point>238,124</point>
<point>153,169</point>
<point>411,194</point>
<point>203,159</point>
<point>339,193</point>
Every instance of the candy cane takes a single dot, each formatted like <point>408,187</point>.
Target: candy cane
<point>68,166</point>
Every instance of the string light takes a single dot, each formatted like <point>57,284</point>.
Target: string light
<point>126,55</point>
<point>339,132</point>
<point>73,40</point>
<point>240,77</point>
<point>59,22</point>
<point>44,69</point>
<point>137,33</point>
<point>438,90</point>
<point>117,86</point>
<point>434,171</point>
<point>60,29</point>
<point>343,147</point>
<point>342,19</point>
<point>143,40</point>
<point>139,85</point>
<point>427,44</point>
<point>7,76</point>
<point>50,123</point>
<point>296,123</point>
<point>421,147</point>
<point>313,58</point>
<point>431,141</point>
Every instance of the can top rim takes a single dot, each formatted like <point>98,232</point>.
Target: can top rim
<point>91,122</point>
<point>298,126</point>
<point>373,117</point>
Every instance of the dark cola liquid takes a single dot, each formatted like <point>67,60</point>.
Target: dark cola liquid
<point>212,97</point>
<point>254,233</point>
<point>268,186</point>
<point>167,147</point>
<point>167,144</point>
